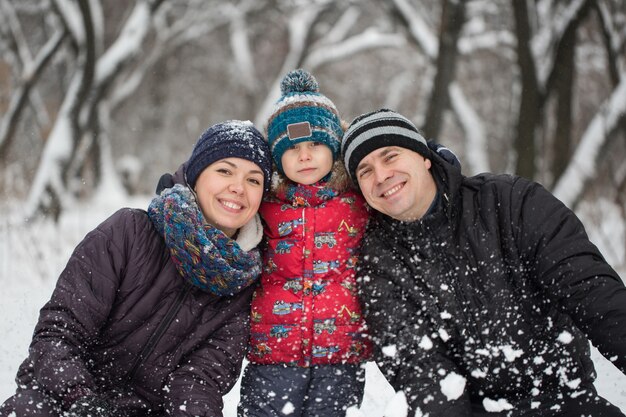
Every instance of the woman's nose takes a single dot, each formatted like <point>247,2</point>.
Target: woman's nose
<point>236,186</point>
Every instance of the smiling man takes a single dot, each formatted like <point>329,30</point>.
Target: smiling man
<point>481,293</point>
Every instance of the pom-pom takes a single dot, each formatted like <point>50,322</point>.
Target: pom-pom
<point>299,81</point>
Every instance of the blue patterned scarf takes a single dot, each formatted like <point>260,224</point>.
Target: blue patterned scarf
<point>203,254</point>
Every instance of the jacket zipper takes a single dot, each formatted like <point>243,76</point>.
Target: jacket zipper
<point>458,291</point>
<point>156,336</point>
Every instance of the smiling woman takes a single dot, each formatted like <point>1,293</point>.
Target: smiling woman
<point>229,192</point>
<point>151,314</point>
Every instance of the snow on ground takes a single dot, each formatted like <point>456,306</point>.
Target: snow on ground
<point>32,257</point>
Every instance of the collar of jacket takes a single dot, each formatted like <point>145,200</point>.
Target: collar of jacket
<point>300,195</point>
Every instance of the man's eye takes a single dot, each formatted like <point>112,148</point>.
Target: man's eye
<point>391,156</point>
<point>362,173</point>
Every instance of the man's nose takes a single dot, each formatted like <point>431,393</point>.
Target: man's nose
<point>381,174</point>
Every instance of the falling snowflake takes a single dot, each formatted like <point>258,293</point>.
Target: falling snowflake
<point>452,386</point>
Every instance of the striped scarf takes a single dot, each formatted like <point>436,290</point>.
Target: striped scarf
<point>203,254</point>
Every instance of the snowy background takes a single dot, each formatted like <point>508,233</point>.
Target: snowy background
<point>97,101</point>
<point>33,255</point>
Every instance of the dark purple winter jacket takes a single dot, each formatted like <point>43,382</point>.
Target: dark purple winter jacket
<point>124,323</point>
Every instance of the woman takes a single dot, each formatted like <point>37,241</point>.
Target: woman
<point>150,315</point>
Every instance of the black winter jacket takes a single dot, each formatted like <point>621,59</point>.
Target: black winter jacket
<point>123,322</point>
<point>490,297</point>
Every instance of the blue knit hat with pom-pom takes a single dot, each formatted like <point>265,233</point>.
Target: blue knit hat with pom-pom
<point>302,114</point>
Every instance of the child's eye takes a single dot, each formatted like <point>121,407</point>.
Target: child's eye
<point>292,147</point>
<point>316,143</point>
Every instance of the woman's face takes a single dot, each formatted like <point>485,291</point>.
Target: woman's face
<point>229,193</point>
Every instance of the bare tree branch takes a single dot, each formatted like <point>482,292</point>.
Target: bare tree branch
<point>367,40</point>
<point>583,164</point>
<point>611,38</point>
<point>300,25</point>
<point>475,132</point>
<point>452,20</point>
<point>29,78</point>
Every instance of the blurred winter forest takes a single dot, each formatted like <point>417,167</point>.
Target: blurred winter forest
<point>101,97</point>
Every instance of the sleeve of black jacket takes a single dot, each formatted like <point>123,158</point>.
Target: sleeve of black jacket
<point>570,269</point>
<point>408,352</point>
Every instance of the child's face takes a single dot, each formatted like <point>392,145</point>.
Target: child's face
<point>307,162</point>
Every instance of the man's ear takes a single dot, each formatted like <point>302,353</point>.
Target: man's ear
<point>428,163</point>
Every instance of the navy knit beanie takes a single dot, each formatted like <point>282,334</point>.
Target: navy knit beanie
<point>231,139</point>
<point>302,114</point>
<point>378,129</point>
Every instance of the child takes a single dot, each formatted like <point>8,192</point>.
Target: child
<point>307,337</point>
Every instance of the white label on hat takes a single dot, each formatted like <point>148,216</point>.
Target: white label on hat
<point>299,130</point>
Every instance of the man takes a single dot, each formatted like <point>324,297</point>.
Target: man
<point>480,292</point>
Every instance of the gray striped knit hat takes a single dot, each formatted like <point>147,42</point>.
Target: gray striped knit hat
<point>378,129</point>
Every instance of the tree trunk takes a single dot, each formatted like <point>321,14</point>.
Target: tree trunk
<point>562,142</point>
<point>452,19</point>
<point>529,108</point>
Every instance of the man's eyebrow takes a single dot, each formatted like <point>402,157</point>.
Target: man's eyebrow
<point>361,166</point>
<point>381,154</point>
<point>388,150</point>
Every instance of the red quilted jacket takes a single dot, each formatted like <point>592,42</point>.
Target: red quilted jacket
<point>306,311</point>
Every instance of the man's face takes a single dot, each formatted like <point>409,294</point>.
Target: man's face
<point>397,182</point>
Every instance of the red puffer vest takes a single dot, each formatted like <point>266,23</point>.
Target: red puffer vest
<point>306,311</point>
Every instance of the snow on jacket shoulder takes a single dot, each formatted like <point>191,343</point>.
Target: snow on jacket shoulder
<point>306,311</point>
<point>121,320</point>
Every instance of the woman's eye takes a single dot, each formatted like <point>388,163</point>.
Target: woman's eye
<point>255,181</point>
<point>223,171</point>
